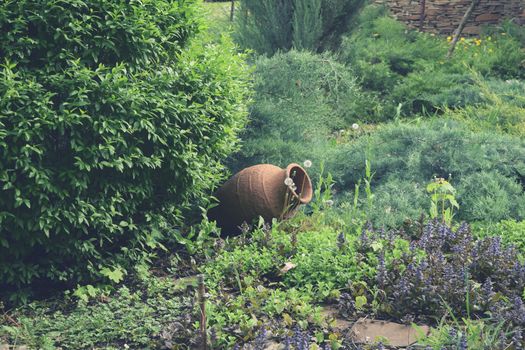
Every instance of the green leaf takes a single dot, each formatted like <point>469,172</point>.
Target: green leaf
<point>116,275</point>
<point>360,302</point>
<point>376,246</point>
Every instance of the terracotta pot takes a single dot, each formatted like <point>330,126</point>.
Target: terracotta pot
<point>260,190</point>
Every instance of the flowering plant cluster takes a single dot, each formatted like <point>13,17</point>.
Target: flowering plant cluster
<point>445,271</point>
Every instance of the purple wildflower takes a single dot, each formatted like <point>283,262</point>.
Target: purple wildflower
<point>381,276</point>
<point>517,339</point>
<point>260,340</point>
<point>341,240</point>
<point>463,344</point>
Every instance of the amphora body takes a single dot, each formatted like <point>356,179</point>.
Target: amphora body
<point>260,190</point>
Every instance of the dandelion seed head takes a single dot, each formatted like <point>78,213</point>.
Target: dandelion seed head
<point>355,126</point>
<point>288,182</point>
<point>307,163</point>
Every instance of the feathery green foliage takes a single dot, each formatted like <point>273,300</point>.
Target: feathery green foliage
<point>300,99</point>
<point>488,170</point>
<point>268,26</point>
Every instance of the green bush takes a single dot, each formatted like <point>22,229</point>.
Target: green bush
<point>487,168</point>
<point>408,71</point>
<point>496,197</point>
<point>382,53</point>
<point>503,109</point>
<point>114,117</point>
<point>268,26</point>
<point>395,201</point>
<point>300,99</point>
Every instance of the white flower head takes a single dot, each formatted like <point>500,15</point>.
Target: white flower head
<point>307,163</point>
<point>329,202</point>
<point>289,182</point>
<point>355,126</point>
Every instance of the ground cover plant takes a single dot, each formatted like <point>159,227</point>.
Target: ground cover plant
<point>413,274</point>
<point>418,169</point>
<point>111,321</point>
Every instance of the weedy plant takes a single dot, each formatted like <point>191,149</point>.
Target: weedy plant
<point>323,191</point>
<point>442,200</point>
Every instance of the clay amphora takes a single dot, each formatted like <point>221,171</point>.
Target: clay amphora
<point>260,190</point>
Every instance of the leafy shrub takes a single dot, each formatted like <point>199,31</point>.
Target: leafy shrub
<point>300,99</point>
<point>113,118</point>
<point>487,169</point>
<point>268,26</point>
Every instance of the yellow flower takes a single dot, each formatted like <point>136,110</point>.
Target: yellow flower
<point>449,38</point>
<point>462,39</point>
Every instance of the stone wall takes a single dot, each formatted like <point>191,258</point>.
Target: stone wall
<point>443,16</point>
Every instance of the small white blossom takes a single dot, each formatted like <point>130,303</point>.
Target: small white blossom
<point>307,163</point>
<point>288,182</point>
<point>355,126</point>
<point>329,202</point>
